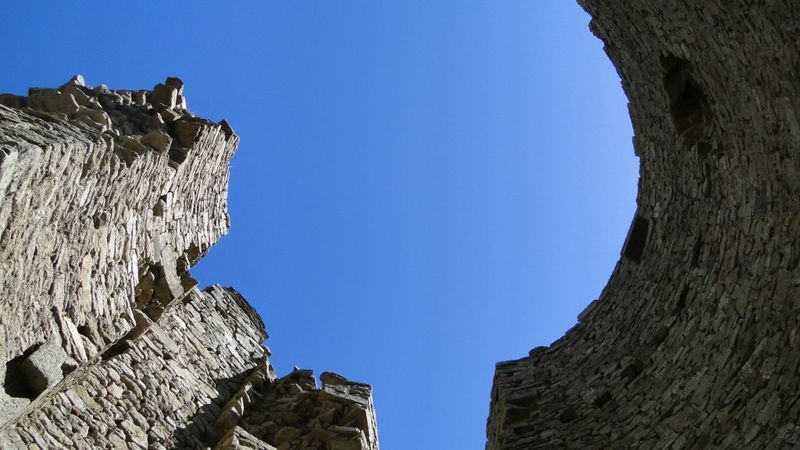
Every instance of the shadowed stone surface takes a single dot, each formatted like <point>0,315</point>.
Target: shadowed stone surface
<point>694,341</point>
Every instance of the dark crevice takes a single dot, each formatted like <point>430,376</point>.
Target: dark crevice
<point>632,371</point>
<point>117,349</point>
<point>68,367</point>
<point>603,399</point>
<point>681,303</point>
<point>697,251</point>
<point>659,336</point>
<point>85,330</point>
<point>568,415</point>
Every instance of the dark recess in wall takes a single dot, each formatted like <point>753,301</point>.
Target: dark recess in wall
<point>637,239</point>
<point>17,383</point>
<point>688,103</point>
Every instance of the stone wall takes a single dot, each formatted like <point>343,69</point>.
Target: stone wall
<point>693,343</point>
<point>162,390</point>
<point>106,200</point>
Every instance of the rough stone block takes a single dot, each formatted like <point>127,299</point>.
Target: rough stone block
<point>42,369</point>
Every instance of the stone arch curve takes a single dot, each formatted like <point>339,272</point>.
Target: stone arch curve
<point>693,342</point>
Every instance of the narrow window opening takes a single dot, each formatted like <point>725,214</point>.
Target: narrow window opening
<point>637,239</point>
<point>688,103</point>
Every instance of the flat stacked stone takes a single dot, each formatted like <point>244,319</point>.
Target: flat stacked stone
<point>107,198</point>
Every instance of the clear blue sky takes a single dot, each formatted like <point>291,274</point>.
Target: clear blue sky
<point>423,188</point>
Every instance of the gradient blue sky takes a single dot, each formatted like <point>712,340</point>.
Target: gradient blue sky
<point>423,188</point>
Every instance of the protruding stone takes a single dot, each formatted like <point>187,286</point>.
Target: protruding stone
<point>169,115</point>
<point>11,100</point>
<point>180,103</point>
<point>77,80</point>
<point>334,379</point>
<point>158,140</point>
<point>95,117</point>
<point>175,83</point>
<point>139,97</point>
<point>102,89</point>
<point>132,144</point>
<point>42,369</point>
<point>143,323</point>
<point>53,102</point>
<point>80,96</point>
<point>226,128</point>
<point>187,132</point>
<point>164,95</point>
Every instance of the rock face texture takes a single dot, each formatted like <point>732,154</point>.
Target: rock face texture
<point>694,341</point>
<point>106,200</point>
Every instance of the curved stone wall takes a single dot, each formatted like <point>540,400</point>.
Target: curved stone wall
<point>693,343</point>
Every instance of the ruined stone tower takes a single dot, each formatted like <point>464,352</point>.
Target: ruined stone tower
<point>106,199</point>
<point>694,341</point>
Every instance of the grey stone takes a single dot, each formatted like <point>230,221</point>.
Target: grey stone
<point>164,95</point>
<point>158,140</point>
<point>94,117</point>
<point>169,115</point>
<point>53,102</point>
<point>175,83</point>
<point>11,100</point>
<point>42,368</point>
<point>682,347</point>
<point>188,132</point>
<point>93,200</point>
<point>77,80</point>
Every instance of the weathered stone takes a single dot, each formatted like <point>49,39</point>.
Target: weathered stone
<point>11,406</point>
<point>100,227</point>
<point>188,132</point>
<point>53,102</point>
<point>691,343</point>
<point>94,117</point>
<point>164,95</point>
<point>175,83</point>
<point>78,93</point>
<point>238,438</point>
<point>42,368</point>
<point>143,323</point>
<point>158,140</point>
<point>77,80</point>
<point>11,100</point>
<point>139,97</point>
<point>169,115</point>
<point>226,128</point>
<point>341,413</point>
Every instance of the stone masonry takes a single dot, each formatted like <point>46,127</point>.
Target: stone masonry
<point>694,341</point>
<point>107,197</point>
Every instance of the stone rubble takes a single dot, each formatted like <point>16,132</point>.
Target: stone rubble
<point>107,198</point>
<point>292,413</point>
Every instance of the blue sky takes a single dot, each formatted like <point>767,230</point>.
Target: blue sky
<point>422,189</point>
